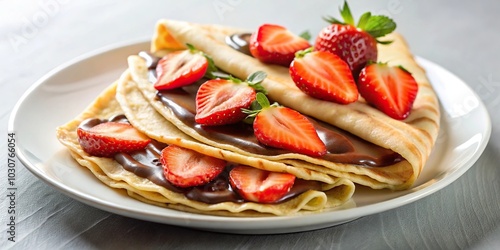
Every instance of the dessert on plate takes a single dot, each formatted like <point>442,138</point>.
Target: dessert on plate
<point>225,121</point>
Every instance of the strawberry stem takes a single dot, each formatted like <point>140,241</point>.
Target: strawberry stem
<point>375,25</point>
<point>261,102</point>
<point>302,53</point>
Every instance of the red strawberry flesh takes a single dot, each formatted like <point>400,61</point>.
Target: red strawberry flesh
<point>180,68</point>
<point>391,89</point>
<point>109,138</point>
<point>187,168</point>
<point>260,185</point>
<point>286,128</point>
<point>324,75</point>
<point>220,101</point>
<point>275,44</point>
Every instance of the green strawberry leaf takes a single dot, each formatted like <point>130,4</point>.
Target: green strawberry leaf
<point>261,102</point>
<point>332,20</point>
<point>378,26</point>
<point>191,47</point>
<point>404,69</point>
<point>212,69</point>
<point>384,42</point>
<point>306,35</point>
<point>255,108</point>
<point>346,14</point>
<point>302,53</point>
<point>363,20</point>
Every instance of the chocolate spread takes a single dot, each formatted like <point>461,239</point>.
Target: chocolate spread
<point>146,163</point>
<point>342,146</point>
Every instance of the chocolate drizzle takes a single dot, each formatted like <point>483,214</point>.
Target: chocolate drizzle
<point>342,146</point>
<point>146,163</point>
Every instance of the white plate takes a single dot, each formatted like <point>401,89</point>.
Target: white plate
<point>67,90</point>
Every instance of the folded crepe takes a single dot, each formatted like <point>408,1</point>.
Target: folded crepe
<point>123,102</point>
<point>377,151</point>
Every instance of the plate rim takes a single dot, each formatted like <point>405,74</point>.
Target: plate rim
<point>204,221</point>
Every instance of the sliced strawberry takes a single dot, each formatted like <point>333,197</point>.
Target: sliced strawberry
<point>187,168</point>
<point>180,68</point>
<point>357,45</point>
<point>275,44</point>
<point>109,138</point>
<point>391,89</point>
<point>259,185</point>
<point>221,101</point>
<point>324,75</point>
<point>281,127</point>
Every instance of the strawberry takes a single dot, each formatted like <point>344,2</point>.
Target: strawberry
<point>323,75</point>
<point>109,138</point>
<point>220,101</point>
<point>181,68</point>
<point>357,45</point>
<point>275,44</point>
<point>260,185</point>
<point>187,168</point>
<point>390,89</point>
<point>282,127</point>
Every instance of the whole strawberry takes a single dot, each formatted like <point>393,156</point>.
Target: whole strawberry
<point>355,44</point>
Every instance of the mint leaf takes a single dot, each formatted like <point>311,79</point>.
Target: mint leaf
<point>378,26</point>
<point>262,100</point>
<point>256,77</point>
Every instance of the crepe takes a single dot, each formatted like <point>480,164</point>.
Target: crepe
<point>129,101</point>
<point>412,138</point>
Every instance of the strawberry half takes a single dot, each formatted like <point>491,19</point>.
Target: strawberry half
<point>275,44</point>
<point>220,101</point>
<point>187,168</point>
<point>259,185</point>
<point>323,75</point>
<point>390,89</point>
<point>109,138</point>
<point>181,68</point>
<point>355,44</point>
<point>281,127</point>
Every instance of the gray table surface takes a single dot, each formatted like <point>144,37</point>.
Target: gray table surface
<point>462,36</point>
